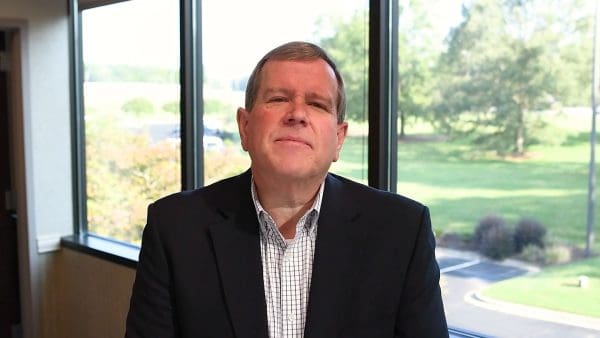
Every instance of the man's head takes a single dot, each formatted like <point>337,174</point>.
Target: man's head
<point>293,125</point>
<point>296,51</point>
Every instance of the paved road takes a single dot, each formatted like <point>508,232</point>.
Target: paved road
<point>462,276</point>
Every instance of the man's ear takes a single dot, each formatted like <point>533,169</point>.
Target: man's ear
<point>342,130</point>
<point>242,121</point>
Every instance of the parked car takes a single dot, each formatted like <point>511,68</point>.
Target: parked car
<point>211,141</point>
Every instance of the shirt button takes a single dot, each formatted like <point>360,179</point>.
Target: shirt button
<point>290,318</point>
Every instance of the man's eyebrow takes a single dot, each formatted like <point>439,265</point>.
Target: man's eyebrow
<point>329,100</point>
<point>276,90</point>
<point>318,96</point>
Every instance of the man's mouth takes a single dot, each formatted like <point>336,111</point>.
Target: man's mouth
<point>293,139</point>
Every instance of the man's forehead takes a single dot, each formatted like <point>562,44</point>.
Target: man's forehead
<point>275,63</point>
<point>273,67</point>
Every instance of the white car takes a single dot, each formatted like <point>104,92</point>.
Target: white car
<point>211,140</point>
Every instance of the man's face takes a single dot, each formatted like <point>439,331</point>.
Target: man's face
<point>292,130</point>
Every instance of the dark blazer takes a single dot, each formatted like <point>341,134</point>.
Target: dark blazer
<point>200,272</point>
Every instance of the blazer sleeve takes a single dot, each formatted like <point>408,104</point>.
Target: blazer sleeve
<point>150,310</point>
<point>421,312</point>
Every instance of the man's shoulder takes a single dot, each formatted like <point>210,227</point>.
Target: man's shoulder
<point>365,195</point>
<point>220,192</point>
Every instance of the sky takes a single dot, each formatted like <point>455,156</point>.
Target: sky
<point>235,34</point>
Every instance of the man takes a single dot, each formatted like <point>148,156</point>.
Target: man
<point>286,249</point>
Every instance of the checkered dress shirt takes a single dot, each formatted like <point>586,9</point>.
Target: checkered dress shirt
<point>287,269</point>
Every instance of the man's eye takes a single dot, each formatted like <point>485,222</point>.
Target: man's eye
<point>277,99</point>
<point>318,105</point>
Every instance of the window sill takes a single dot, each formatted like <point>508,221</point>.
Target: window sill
<point>460,333</point>
<point>110,250</point>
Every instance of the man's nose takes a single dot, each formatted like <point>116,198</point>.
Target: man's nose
<point>297,114</point>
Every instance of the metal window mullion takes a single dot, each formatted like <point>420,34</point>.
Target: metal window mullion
<point>192,153</point>
<point>77,120</point>
<point>393,94</point>
<point>382,95</point>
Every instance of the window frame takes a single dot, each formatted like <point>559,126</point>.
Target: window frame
<point>191,98</point>
<point>382,98</point>
<point>382,94</point>
<point>382,117</point>
<point>191,109</point>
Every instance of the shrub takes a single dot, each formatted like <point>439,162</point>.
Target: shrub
<point>215,106</point>
<point>497,243</point>
<point>221,164</point>
<point>484,226</point>
<point>453,240</point>
<point>529,232</point>
<point>494,238</point>
<point>557,254</point>
<point>172,107</point>
<point>533,254</point>
<point>138,106</point>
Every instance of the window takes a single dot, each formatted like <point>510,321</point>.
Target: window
<point>494,126</point>
<point>131,96</point>
<point>230,52</point>
<point>493,120</point>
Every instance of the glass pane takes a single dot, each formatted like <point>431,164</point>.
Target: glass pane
<point>131,99</point>
<point>494,133</point>
<point>231,51</point>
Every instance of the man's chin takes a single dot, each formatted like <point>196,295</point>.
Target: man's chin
<point>287,173</point>
<point>297,174</point>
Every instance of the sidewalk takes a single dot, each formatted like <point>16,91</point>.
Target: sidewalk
<point>526,311</point>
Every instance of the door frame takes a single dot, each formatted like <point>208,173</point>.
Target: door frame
<point>17,120</point>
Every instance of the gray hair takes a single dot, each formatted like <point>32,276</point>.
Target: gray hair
<point>296,51</point>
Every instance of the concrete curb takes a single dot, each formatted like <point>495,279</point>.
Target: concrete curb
<point>472,255</point>
<point>531,312</point>
<point>442,251</point>
<point>525,311</point>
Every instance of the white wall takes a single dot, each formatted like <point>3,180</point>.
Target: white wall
<point>44,134</point>
<point>47,110</point>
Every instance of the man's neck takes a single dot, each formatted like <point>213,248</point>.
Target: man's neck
<point>287,201</point>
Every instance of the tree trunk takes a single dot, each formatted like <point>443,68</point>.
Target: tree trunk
<point>520,137</point>
<point>520,141</point>
<point>402,119</point>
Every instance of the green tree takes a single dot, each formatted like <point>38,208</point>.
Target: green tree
<point>348,46</point>
<point>172,107</point>
<point>138,106</point>
<point>130,73</point>
<point>569,54</point>
<point>417,53</point>
<point>218,107</point>
<point>501,66</point>
<point>124,173</point>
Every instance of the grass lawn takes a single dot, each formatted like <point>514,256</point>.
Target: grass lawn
<point>462,185</point>
<point>461,188</point>
<point>555,288</point>
<point>353,160</point>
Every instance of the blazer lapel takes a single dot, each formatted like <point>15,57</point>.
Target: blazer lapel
<point>237,248</point>
<point>337,251</point>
